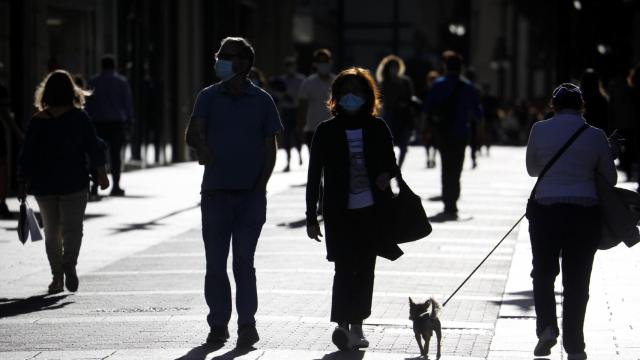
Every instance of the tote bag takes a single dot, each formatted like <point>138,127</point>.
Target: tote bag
<point>409,220</point>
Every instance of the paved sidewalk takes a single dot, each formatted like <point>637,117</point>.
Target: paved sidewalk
<point>612,325</point>
<point>142,268</point>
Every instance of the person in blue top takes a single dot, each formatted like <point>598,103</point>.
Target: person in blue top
<point>453,103</point>
<point>233,129</point>
<point>53,167</point>
<point>111,109</point>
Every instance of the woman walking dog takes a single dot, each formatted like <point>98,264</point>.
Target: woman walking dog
<point>564,222</point>
<point>353,151</point>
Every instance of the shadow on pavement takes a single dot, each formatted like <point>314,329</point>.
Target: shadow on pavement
<point>14,307</point>
<point>201,352</point>
<point>344,355</point>
<point>148,224</point>
<point>294,224</point>
<point>442,217</point>
<point>234,353</point>
<point>524,302</point>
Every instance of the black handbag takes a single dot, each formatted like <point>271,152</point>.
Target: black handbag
<point>532,206</point>
<point>409,220</point>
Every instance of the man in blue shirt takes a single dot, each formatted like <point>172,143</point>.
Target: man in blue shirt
<point>451,105</point>
<point>233,129</point>
<point>111,109</point>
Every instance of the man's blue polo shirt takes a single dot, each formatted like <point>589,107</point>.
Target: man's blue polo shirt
<point>468,106</point>
<point>236,128</point>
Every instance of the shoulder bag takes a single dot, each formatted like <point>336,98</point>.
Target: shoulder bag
<point>409,220</point>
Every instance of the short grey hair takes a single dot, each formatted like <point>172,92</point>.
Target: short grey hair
<point>247,48</point>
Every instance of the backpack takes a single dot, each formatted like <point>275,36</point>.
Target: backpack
<point>444,114</point>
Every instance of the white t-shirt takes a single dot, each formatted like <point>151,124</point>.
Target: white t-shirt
<point>359,188</point>
<point>316,91</point>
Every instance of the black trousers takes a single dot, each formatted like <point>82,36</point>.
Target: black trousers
<point>452,159</point>
<point>569,233</point>
<point>114,134</point>
<point>290,137</point>
<point>354,269</point>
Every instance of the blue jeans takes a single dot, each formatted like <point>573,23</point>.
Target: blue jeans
<point>231,217</point>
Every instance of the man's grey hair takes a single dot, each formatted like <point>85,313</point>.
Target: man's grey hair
<point>247,48</point>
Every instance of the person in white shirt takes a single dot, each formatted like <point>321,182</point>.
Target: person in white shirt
<point>285,89</point>
<point>565,224</point>
<point>314,94</point>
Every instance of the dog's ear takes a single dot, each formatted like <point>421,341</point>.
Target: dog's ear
<point>427,304</point>
<point>411,301</point>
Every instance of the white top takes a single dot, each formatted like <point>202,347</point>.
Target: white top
<point>572,176</point>
<point>359,187</point>
<point>316,91</point>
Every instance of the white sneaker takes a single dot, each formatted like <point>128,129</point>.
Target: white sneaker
<point>546,341</point>
<point>577,356</point>
<point>358,340</point>
<point>342,339</point>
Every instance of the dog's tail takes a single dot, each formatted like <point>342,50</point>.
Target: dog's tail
<point>435,308</point>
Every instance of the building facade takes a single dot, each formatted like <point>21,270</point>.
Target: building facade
<point>164,47</point>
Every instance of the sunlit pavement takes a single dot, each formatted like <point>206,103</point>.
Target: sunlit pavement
<point>142,270</point>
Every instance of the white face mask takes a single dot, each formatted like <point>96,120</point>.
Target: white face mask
<point>323,68</point>
<point>224,70</point>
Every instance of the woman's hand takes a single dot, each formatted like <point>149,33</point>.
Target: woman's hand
<point>383,181</point>
<point>313,232</point>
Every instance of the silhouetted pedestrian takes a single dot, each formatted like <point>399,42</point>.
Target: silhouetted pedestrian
<point>353,152</point>
<point>596,101</point>
<point>622,118</point>
<point>452,104</point>
<point>314,94</point>
<point>475,127</point>
<point>53,167</point>
<point>233,129</point>
<point>111,109</point>
<point>490,106</point>
<point>565,222</point>
<point>397,91</point>
<point>427,132</point>
<point>634,84</point>
<point>10,134</point>
<point>286,88</point>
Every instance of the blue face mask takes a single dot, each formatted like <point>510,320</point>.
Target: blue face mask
<point>351,103</point>
<point>224,70</point>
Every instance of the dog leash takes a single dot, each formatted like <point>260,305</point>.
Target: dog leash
<point>483,261</point>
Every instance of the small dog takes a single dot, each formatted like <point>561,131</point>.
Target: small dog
<point>425,323</point>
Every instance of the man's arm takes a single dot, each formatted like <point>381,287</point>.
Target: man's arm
<point>271,148</point>
<point>195,138</point>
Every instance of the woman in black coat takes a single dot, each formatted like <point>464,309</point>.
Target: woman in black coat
<point>353,152</point>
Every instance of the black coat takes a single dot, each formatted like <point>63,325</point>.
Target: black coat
<point>330,159</point>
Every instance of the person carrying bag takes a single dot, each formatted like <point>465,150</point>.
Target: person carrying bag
<point>565,216</point>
